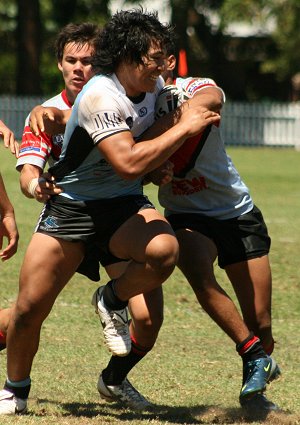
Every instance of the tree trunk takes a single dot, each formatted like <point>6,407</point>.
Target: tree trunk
<point>28,41</point>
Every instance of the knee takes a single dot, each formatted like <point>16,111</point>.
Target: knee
<point>204,285</point>
<point>162,255</point>
<point>26,314</point>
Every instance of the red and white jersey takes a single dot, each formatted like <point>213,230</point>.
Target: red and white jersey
<point>205,180</point>
<point>38,150</point>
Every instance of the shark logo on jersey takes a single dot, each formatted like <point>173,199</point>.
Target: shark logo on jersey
<point>143,111</point>
<point>50,223</point>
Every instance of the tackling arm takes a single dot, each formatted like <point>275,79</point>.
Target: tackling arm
<point>132,160</point>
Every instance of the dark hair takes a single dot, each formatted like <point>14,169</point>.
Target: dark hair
<point>170,46</point>
<point>85,33</point>
<point>127,37</point>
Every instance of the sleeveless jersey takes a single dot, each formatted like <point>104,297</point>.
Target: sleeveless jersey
<point>205,180</point>
<point>101,109</point>
<point>37,150</point>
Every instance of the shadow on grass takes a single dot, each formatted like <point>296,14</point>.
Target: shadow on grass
<point>199,414</point>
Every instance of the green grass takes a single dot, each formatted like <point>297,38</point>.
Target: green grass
<point>194,373</point>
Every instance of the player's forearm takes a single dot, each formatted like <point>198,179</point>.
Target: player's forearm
<point>6,206</point>
<point>29,179</point>
<point>210,98</point>
<point>150,154</point>
<point>137,159</point>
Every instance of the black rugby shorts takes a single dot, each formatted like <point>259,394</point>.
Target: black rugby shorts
<point>237,239</point>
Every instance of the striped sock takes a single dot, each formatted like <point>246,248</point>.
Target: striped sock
<point>20,389</point>
<point>251,348</point>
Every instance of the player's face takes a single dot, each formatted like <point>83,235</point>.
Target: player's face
<point>143,77</point>
<point>76,68</point>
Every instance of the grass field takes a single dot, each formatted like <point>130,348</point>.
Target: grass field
<point>194,374</point>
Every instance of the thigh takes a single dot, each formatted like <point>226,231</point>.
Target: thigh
<point>145,232</point>
<point>115,270</point>
<point>197,254</point>
<point>48,265</point>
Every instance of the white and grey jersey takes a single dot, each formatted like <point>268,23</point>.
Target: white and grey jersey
<point>102,109</point>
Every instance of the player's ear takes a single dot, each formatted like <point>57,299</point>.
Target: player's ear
<point>171,63</point>
<point>59,66</point>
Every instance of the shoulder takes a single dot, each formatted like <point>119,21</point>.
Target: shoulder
<point>58,101</point>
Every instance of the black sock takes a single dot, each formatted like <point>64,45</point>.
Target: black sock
<point>119,367</point>
<point>20,392</point>
<point>110,298</point>
<point>251,348</point>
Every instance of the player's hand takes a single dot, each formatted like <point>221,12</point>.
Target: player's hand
<point>44,187</point>
<point>197,118</point>
<point>9,230</point>
<point>9,139</point>
<point>47,119</point>
<point>161,175</point>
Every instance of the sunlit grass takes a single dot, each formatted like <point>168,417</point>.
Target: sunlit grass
<point>193,374</point>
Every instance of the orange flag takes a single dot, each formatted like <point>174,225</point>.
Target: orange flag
<point>182,63</point>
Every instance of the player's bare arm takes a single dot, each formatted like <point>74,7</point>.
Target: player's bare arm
<point>210,97</point>
<point>8,226</point>
<point>9,139</point>
<point>36,185</point>
<point>132,160</point>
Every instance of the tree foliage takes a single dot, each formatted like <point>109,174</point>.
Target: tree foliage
<point>246,67</point>
<point>284,17</point>
<point>27,32</point>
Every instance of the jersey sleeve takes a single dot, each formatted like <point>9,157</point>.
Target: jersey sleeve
<point>101,115</point>
<point>34,150</point>
<point>190,86</point>
<point>37,150</point>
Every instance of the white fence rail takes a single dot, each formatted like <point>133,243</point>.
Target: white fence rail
<point>14,110</point>
<point>249,124</point>
<point>261,124</point>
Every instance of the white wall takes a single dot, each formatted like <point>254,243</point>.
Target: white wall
<point>162,6</point>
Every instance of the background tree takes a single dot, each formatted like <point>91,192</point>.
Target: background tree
<point>241,65</point>
<point>29,44</point>
<point>27,32</point>
<point>261,66</point>
<point>282,59</point>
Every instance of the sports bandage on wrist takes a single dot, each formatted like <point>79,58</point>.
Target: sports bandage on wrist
<point>32,186</point>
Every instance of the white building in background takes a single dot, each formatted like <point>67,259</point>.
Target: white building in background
<point>161,6</point>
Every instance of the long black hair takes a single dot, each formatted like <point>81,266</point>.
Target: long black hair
<point>127,37</point>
